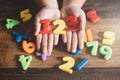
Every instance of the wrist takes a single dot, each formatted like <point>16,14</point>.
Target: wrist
<point>47,3</point>
<point>78,3</point>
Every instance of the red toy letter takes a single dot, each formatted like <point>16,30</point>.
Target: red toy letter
<point>45,28</point>
<point>71,23</point>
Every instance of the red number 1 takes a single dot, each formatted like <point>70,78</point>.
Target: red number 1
<point>45,28</point>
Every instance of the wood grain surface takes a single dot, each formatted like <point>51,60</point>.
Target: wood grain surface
<point>108,10</point>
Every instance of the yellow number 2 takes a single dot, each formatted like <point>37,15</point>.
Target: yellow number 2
<point>68,65</point>
<point>60,24</point>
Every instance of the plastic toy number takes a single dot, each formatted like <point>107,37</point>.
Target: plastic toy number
<point>19,36</point>
<point>11,23</point>
<point>88,34</point>
<point>94,45</point>
<point>28,47</point>
<point>109,37</point>
<point>45,28</point>
<point>60,27</point>
<point>92,16</point>
<point>25,15</point>
<point>25,61</point>
<point>106,51</point>
<point>68,65</point>
<point>71,23</point>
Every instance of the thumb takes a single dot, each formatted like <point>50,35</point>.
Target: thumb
<point>37,25</point>
<point>82,19</point>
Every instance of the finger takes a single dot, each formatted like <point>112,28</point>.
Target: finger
<point>37,25</point>
<point>69,38</point>
<point>63,14</point>
<point>38,41</point>
<point>81,31</point>
<point>64,39</point>
<point>44,44</point>
<point>74,41</point>
<point>50,43</point>
<point>82,19</point>
<point>81,39</point>
<point>56,38</point>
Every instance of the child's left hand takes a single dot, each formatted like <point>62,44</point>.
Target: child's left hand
<point>74,38</point>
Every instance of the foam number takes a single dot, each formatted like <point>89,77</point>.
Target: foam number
<point>19,36</point>
<point>92,16</point>
<point>94,45</point>
<point>45,28</point>
<point>71,23</point>
<point>11,23</point>
<point>28,47</point>
<point>109,37</point>
<point>88,35</point>
<point>25,15</point>
<point>68,65</point>
<point>106,51</point>
<point>25,61</point>
<point>82,64</point>
<point>60,24</point>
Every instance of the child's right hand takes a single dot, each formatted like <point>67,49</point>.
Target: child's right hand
<point>45,41</point>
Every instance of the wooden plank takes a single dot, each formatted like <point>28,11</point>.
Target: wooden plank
<point>54,73</point>
<point>10,50</point>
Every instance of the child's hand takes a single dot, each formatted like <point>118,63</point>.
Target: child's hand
<point>74,38</point>
<point>45,41</point>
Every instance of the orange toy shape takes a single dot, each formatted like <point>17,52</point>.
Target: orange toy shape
<point>28,47</point>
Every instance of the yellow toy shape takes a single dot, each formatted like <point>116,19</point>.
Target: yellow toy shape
<point>25,15</point>
<point>60,24</point>
<point>68,65</point>
<point>109,37</point>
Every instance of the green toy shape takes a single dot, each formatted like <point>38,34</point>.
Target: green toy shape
<point>25,61</point>
<point>106,51</point>
<point>94,45</point>
<point>11,23</point>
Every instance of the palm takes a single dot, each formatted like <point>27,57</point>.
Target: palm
<point>72,38</point>
<point>45,41</point>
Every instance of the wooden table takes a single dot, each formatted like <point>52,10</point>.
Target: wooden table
<point>97,67</point>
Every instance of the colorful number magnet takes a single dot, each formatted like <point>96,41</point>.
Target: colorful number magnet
<point>25,15</point>
<point>45,26</point>
<point>68,65</point>
<point>78,51</point>
<point>19,36</point>
<point>82,64</point>
<point>25,61</point>
<point>28,47</point>
<point>88,35</point>
<point>71,22</point>
<point>106,51</point>
<point>94,45</point>
<point>60,24</point>
<point>92,16</point>
<point>11,23</point>
<point>109,37</point>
